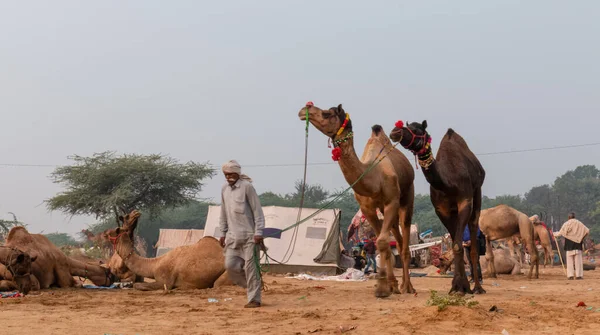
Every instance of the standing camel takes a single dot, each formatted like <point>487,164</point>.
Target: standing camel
<point>455,177</point>
<point>541,233</point>
<point>388,186</point>
<point>504,222</point>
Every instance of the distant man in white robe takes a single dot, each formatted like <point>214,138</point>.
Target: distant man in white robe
<point>574,233</point>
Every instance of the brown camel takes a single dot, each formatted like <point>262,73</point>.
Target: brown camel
<point>541,233</point>
<point>52,267</point>
<point>504,222</point>
<point>15,270</point>
<point>455,177</point>
<point>197,266</point>
<point>99,240</point>
<point>116,264</point>
<point>504,263</point>
<point>388,186</point>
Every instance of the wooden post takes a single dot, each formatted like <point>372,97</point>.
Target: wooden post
<point>559,255</point>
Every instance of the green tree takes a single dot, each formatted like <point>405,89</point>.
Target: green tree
<point>7,225</point>
<point>106,185</point>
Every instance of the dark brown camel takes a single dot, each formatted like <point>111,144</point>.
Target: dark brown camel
<point>455,177</point>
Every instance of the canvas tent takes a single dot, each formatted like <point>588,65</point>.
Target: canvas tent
<point>313,246</point>
<point>172,238</point>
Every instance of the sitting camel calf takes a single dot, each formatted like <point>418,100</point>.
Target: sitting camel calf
<point>197,266</point>
<point>503,262</point>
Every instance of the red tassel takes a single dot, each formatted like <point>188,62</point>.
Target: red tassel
<point>399,124</point>
<point>336,154</point>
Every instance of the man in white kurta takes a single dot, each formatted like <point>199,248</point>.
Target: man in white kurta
<point>242,223</point>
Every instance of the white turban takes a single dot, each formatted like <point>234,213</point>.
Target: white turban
<point>234,167</point>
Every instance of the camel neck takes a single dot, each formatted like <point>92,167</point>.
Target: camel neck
<point>431,170</point>
<point>93,272</point>
<point>139,265</point>
<point>352,168</point>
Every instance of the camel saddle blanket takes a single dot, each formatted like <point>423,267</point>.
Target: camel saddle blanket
<point>574,230</point>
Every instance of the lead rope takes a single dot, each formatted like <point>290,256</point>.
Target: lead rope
<point>286,258</point>
<point>260,269</point>
<point>257,248</point>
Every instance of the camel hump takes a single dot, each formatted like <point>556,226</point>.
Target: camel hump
<point>450,132</point>
<point>15,232</point>
<point>377,129</point>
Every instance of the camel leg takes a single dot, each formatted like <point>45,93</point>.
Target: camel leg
<point>489,256</point>
<point>383,288</point>
<point>149,286</point>
<point>64,278</point>
<point>535,261</point>
<point>386,275</point>
<point>223,280</point>
<point>7,285</point>
<point>474,224</point>
<point>405,214</point>
<point>460,283</point>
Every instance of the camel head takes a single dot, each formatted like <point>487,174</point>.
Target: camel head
<point>329,121</point>
<point>446,260</point>
<point>19,265</point>
<point>413,136</point>
<point>130,221</point>
<point>121,239</point>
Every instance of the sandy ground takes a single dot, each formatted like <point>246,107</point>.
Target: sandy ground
<point>544,306</point>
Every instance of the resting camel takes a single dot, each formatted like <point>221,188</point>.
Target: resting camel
<point>52,267</point>
<point>503,262</point>
<point>388,186</point>
<point>455,177</point>
<point>116,264</point>
<point>15,270</point>
<point>197,266</point>
<point>541,233</point>
<point>504,222</point>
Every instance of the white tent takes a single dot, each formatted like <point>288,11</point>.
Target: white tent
<point>317,238</point>
<point>172,238</point>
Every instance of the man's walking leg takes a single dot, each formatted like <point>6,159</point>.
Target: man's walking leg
<point>570,263</point>
<point>234,264</point>
<point>579,264</point>
<point>253,276</point>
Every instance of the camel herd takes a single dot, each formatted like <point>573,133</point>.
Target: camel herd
<point>382,180</point>
<point>30,262</point>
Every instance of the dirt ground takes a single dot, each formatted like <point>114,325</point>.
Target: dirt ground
<point>291,306</point>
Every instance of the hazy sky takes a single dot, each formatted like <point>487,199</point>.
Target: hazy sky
<point>219,81</point>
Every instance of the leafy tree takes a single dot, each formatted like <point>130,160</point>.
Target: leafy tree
<point>107,185</point>
<point>6,225</point>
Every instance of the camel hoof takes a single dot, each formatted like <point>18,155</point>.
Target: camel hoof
<point>382,293</point>
<point>479,290</point>
<point>408,288</point>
